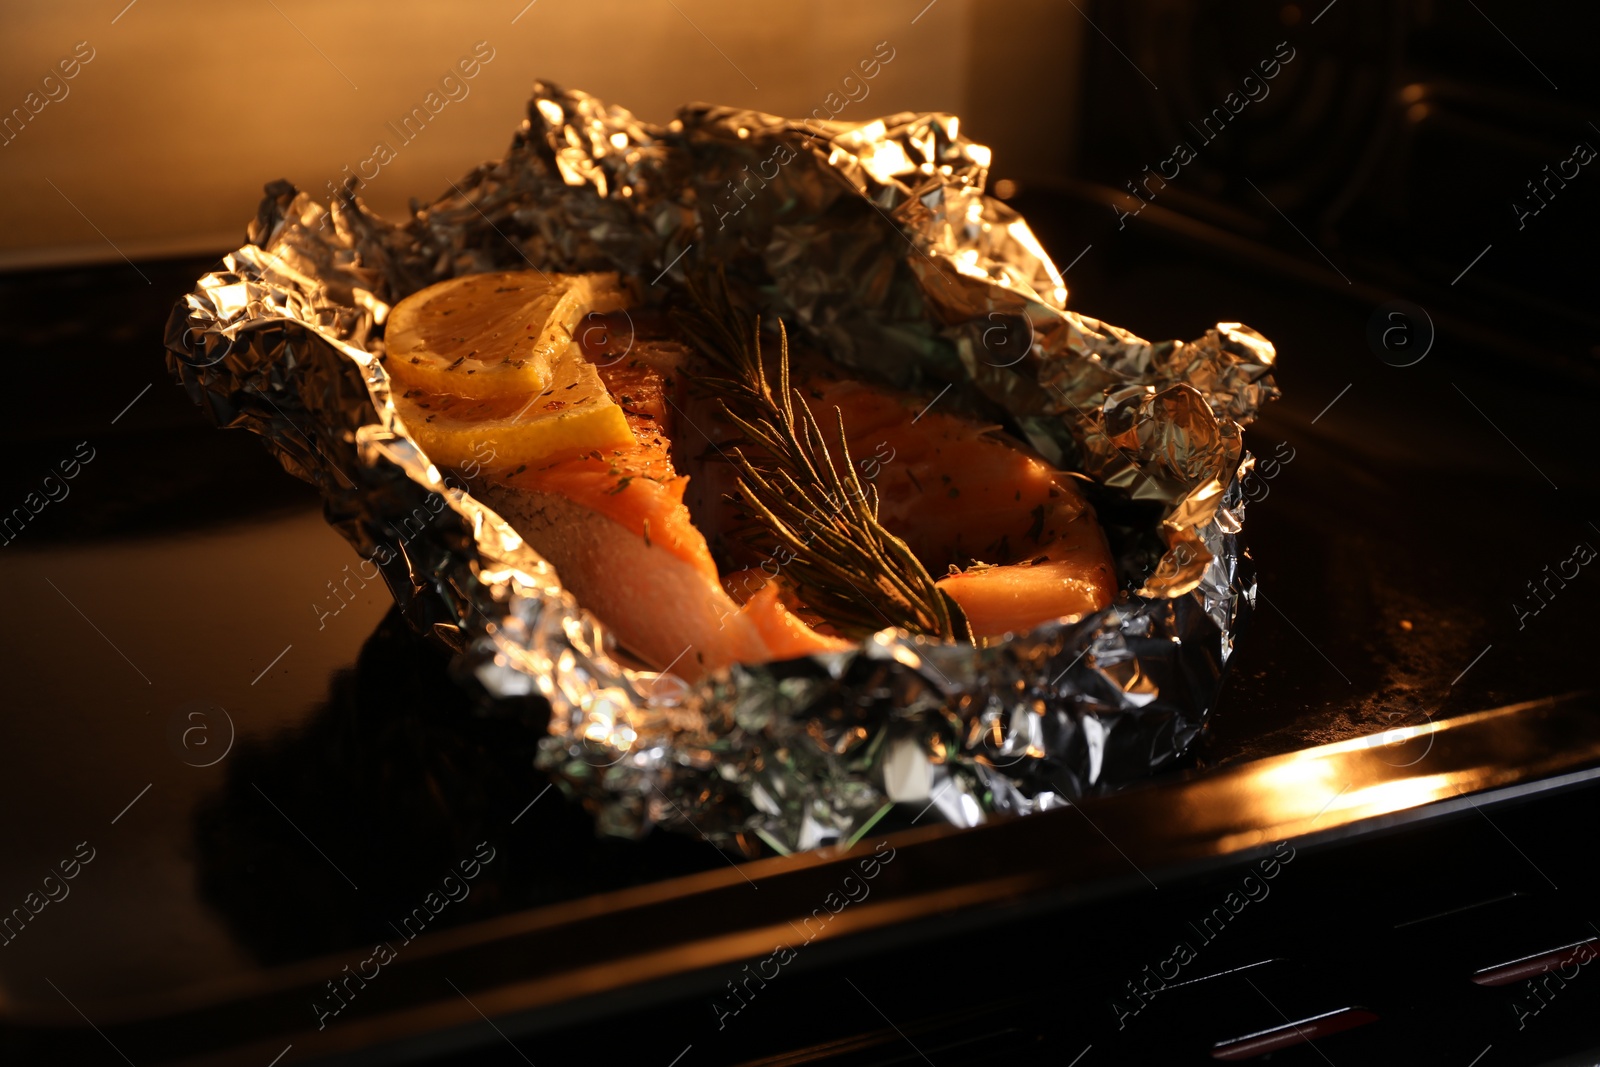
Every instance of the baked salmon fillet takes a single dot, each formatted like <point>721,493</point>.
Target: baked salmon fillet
<point>1014,538</point>
<point>618,473</point>
<point>613,523</point>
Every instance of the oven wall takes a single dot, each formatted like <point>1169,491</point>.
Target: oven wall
<point>177,113</point>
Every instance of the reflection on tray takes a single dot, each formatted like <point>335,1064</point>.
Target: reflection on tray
<point>390,787</point>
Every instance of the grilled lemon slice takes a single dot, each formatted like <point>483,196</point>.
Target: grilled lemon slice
<point>573,413</point>
<point>492,335</point>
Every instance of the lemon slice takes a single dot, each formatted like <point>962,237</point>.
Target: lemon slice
<point>573,413</point>
<point>492,335</point>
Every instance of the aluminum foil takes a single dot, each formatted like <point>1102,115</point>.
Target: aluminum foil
<point>877,241</point>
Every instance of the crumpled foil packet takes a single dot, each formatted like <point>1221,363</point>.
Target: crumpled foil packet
<point>875,241</point>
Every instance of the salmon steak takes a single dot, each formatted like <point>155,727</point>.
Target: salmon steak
<point>629,474</point>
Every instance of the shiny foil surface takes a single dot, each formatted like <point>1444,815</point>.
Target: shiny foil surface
<point>876,242</point>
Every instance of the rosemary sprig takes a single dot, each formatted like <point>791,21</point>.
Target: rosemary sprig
<point>845,565</point>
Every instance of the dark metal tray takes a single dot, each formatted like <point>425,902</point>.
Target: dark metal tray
<point>1393,547</point>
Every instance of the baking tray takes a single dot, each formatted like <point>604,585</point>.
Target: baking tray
<point>365,745</point>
